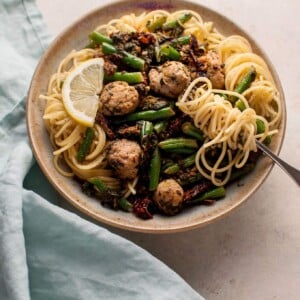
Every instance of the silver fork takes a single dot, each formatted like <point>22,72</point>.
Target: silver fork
<point>293,172</point>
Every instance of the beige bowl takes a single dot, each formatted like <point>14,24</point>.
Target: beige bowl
<point>75,37</point>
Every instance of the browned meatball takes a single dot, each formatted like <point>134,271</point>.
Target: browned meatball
<point>214,69</point>
<point>169,196</point>
<point>118,98</point>
<point>170,79</point>
<point>125,156</point>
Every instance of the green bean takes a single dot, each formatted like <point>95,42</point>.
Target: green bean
<point>260,126</point>
<point>246,81</point>
<point>108,48</point>
<point>183,40</point>
<point>147,115</point>
<point>189,129</point>
<point>129,77</point>
<point>178,143</point>
<point>157,24</point>
<point>185,163</point>
<point>225,96</point>
<point>241,87</point>
<point>104,192</point>
<point>147,128</point>
<point>127,58</point>
<point>190,180</point>
<point>172,169</point>
<point>86,144</point>
<point>240,105</point>
<point>146,131</point>
<point>189,161</point>
<point>267,140</point>
<point>160,126</point>
<point>167,52</point>
<point>98,38</point>
<point>174,23</point>
<point>133,61</point>
<point>155,165</point>
<point>100,185</point>
<point>215,193</point>
<point>124,204</point>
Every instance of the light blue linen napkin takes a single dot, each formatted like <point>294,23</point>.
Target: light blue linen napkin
<point>47,252</point>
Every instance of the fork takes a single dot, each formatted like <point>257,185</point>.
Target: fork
<point>293,172</point>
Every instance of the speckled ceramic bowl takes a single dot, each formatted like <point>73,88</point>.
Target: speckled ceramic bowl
<point>75,37</point>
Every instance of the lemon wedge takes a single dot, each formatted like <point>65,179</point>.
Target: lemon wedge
<point>81,89</point>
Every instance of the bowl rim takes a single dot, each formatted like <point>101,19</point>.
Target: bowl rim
<point>117,222</point>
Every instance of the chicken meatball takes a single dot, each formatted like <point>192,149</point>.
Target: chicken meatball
<point>124,157</point>
<point>211,64</point>
<point>170,79</point>
<point>118,98</point>
<point>169,196</point>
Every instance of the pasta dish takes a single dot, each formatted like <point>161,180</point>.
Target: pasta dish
<point>159,112</point>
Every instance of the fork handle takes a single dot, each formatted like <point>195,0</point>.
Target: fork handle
<point>293,172</point>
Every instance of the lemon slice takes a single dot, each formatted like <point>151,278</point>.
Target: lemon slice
<point>81,91</point>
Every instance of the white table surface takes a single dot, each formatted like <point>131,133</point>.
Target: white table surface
<point>254,253</point>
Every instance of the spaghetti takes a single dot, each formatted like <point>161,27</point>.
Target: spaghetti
<point>228,130</point>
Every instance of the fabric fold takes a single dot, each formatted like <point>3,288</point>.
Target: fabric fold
<point>84,260</point>
<point>14,273</point>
